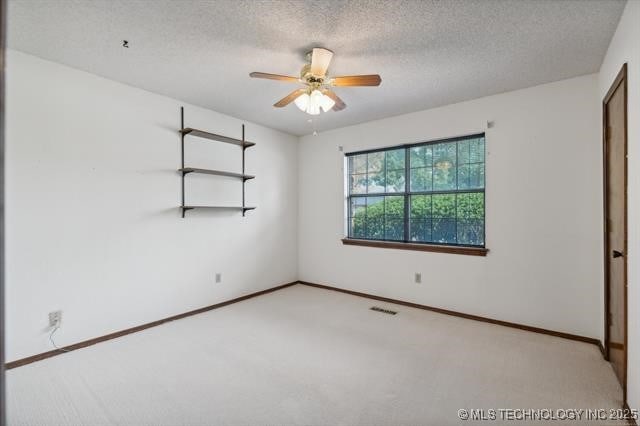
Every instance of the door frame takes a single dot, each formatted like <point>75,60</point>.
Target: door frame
<point>3,16</point>
<point>3,29</point>
<point>621,78</point>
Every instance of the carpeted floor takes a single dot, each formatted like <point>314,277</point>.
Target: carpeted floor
<point>307,356</point>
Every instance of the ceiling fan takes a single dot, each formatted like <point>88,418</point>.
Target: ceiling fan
<point>318,94</point>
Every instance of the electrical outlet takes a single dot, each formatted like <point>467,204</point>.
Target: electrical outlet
<point>55,319</point>
<point>417,278</point>
<point>218,277</point>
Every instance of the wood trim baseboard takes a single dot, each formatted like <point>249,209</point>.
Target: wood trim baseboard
<point>602,350</point>
<point>470,251</point>
<point>90,342</point>
<point>564,335</point>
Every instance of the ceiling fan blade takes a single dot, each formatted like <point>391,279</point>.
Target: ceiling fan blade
<point>357,80</point>
<point>289,98</point>
<point>320,60</point>
<point>340,105</point>
<point>274,77</point>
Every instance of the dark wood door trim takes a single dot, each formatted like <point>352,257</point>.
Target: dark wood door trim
<point>620,80</point>
<point>3,27</point>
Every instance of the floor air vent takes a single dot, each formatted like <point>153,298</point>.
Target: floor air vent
<point>384,311</point>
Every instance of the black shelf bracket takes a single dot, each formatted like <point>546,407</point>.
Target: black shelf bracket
<point>182,157</point>
<point>244,147</point>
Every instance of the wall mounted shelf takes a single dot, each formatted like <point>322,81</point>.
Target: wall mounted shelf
<point>187,170</point>
<point>215,137</point>
<point>188,131</point>
<point>237,208</point>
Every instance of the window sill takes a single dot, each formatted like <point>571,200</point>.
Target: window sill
<point>469,251</point>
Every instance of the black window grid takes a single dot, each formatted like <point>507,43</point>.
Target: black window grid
<point>407,195</point>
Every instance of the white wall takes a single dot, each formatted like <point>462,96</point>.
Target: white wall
<point>93,228</point>
<point>92,221</point>
<point>625,47</point>
<point>543,211</point>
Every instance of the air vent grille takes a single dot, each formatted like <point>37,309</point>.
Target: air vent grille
<point>384,311</point>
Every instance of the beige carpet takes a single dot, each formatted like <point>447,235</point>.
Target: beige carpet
<point>306,356</point>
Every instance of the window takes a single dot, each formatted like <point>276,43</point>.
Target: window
<point>429,193</point>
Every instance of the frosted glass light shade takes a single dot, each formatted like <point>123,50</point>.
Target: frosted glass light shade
<point>327,103</point>
<point>302,102</point>
<point>311,103</point>
<point>315,100</point>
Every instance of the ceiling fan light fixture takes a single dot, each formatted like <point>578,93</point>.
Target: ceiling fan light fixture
<point>313,109</point>
<point>327,103</point>
<point>302,102</point>
<point>315,101</point>
<point>317,96</point>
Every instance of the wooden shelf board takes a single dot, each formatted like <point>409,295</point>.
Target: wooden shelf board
<point>215,137</point>
<point>215,172</point>
<point>239,208</point>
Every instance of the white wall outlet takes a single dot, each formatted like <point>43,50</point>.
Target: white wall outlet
<point>417,278</point>
<point>218,277</point>
<point>55,319</point>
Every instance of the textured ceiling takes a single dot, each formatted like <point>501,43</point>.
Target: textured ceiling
<point>429,53</point>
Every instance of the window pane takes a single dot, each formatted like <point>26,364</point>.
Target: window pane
<point>464,176</point>
<point>417,157</point>
<point>463,151</point>
<point>375,162</point>
<point>417,229</point>
<point>394,218</point>
<point>358,163</point>
<point>358,206</point>
<point>420,206</point>
<point>394,229</point>
<point>395,170</point>
<point>420,230</point>
<point>420,156</point>
<point>444,222</point>
<point>420,220</point>
<point>470,205</point>
<point>476,150</point>
<point>476,176</point>
<point>444,205</point>
<point>358,184</point>
<point>375,218</point>
<point>444,231</point>
<point>395,181</point>
<point>470,214</point>
<point>444,166</point>
<point>358,226</point>
<point>471,231</point>
<point>421,179</point>
<point>357,212</point>
<point>375,183</point>
<point>394,206</point>
<point>395,159</point>
<point>375,228</point>
<point>375,202</point>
